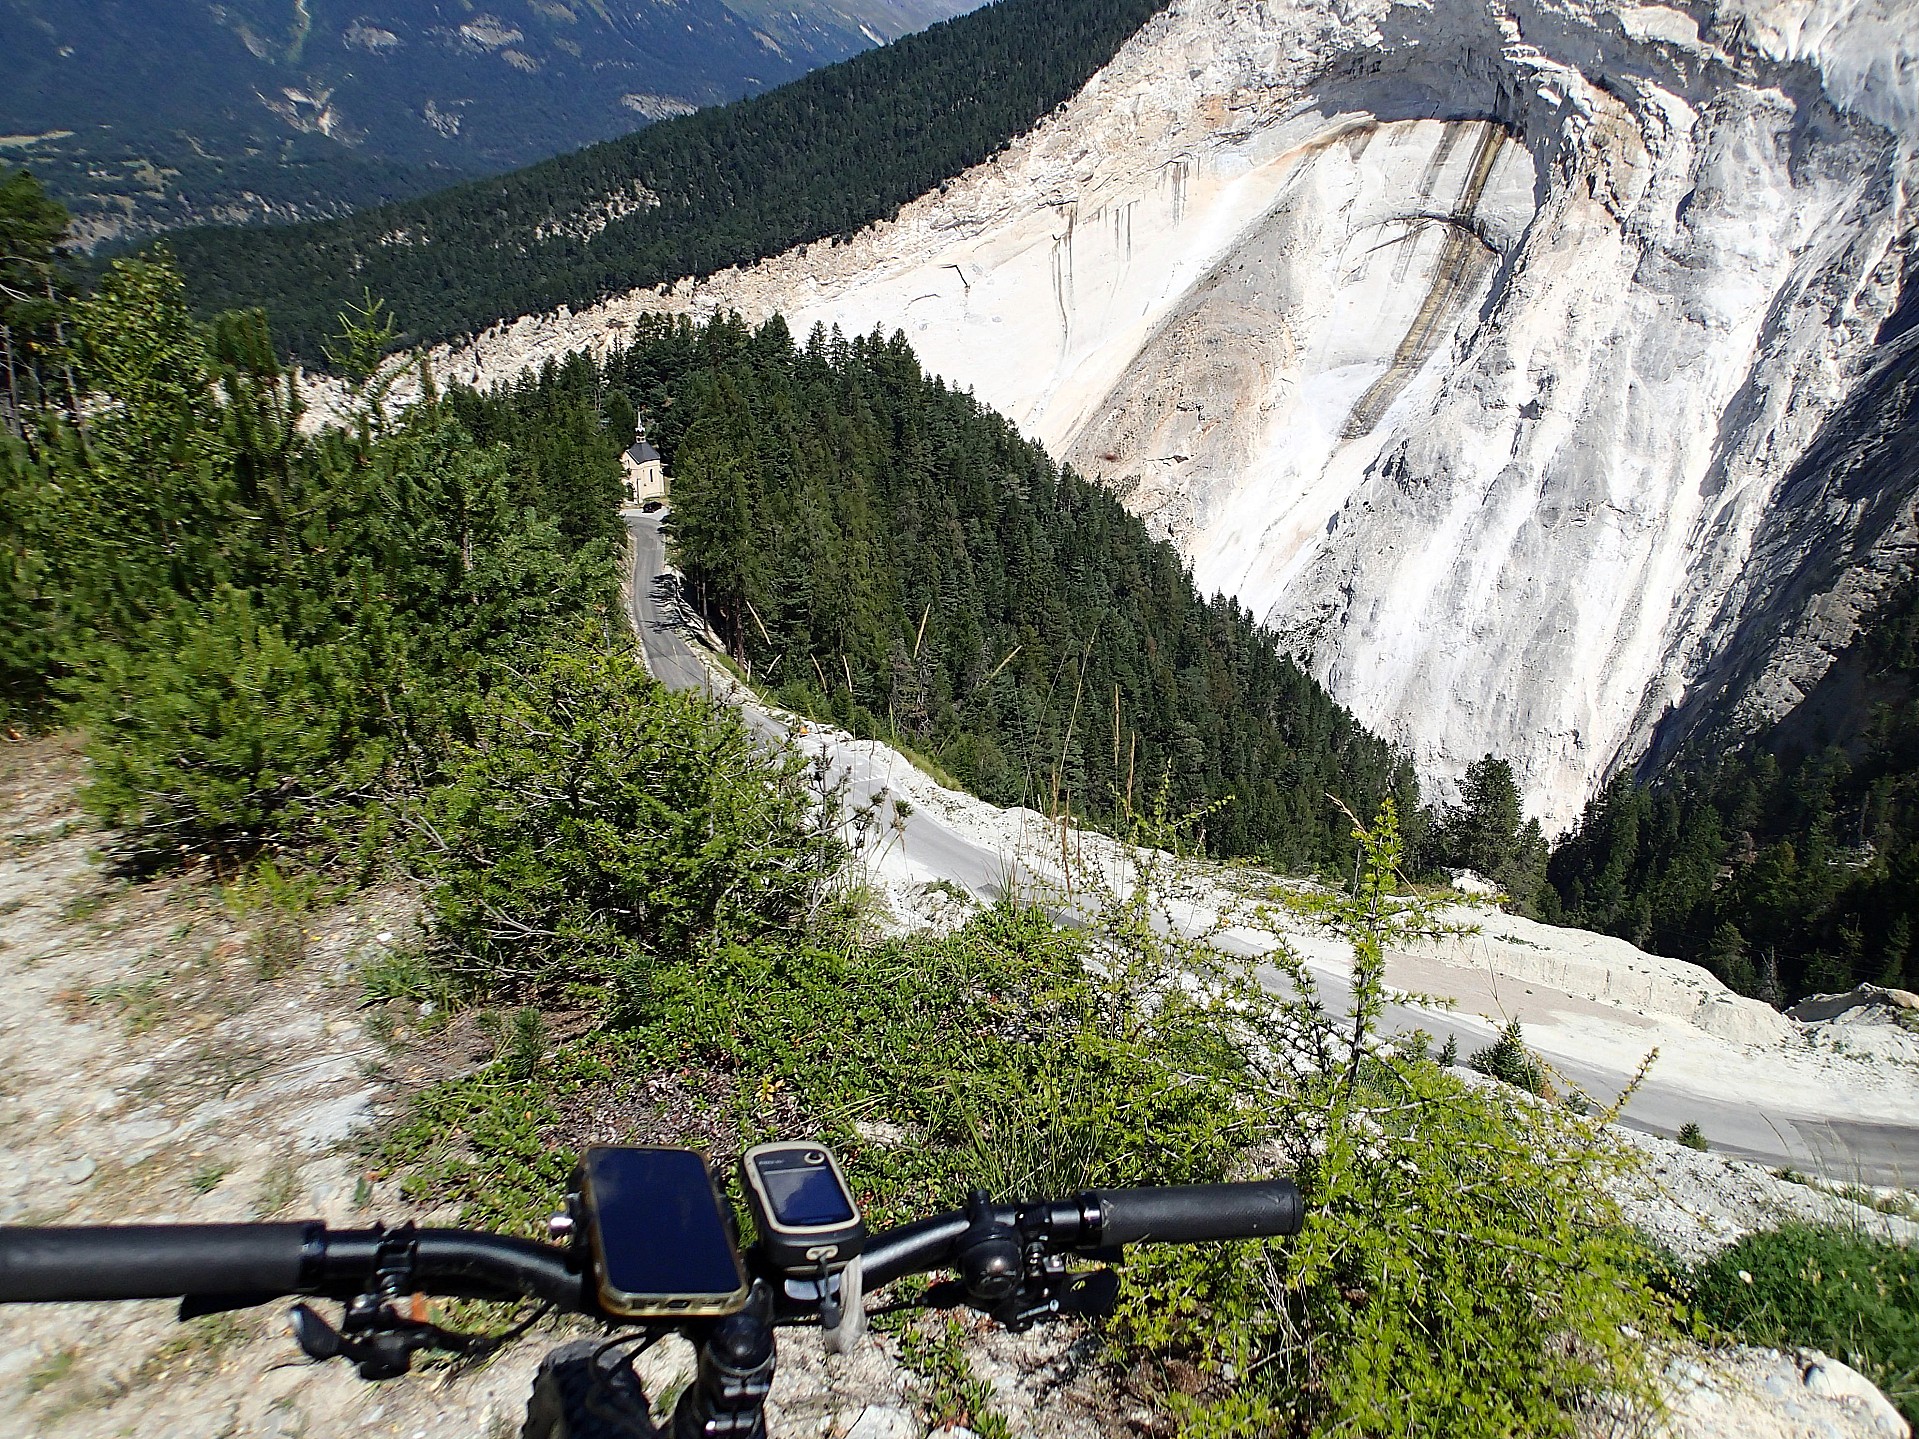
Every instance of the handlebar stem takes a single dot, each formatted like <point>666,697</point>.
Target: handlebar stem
<point>727,1399</point>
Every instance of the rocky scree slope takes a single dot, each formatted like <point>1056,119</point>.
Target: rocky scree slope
<point>1526,363</point>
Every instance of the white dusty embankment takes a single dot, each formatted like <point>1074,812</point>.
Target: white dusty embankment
<point>1590,996</point>
<point>1837,1097</point>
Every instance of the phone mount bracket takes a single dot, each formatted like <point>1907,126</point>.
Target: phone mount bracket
<point>839,1298</point>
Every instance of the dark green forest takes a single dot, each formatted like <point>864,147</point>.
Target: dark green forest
<point>887,552</point>
<point>1788,865</point>
<point>820,157</point>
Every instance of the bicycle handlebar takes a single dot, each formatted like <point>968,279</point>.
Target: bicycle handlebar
<point>171,1261</point>
<point>152,1261</point>
<point>258,1262</point>
<point>1101,1219</point>
<point>1194,1213</point>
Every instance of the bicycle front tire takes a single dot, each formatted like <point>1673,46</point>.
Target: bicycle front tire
<point>584,1390</point>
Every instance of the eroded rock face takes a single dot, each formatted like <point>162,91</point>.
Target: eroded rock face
<point>1468,343</point>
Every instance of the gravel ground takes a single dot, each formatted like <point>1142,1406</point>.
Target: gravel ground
<point>1696,1203</point>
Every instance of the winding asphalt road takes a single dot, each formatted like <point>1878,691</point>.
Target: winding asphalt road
<point>665,625</point>
<point>1840,1149</point>
<point>660,617</point>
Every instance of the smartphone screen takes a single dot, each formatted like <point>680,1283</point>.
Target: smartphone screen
<point>660,1235</point>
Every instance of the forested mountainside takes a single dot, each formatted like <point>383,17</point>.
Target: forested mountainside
<point>1789,865</point>
<point>881,548</point>
<point>888,552</point>
<point>143,115</point>
<point>815,159</point>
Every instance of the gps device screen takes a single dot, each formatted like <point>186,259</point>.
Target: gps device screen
<point>806,1196</point>
<point>808,1220</point>
<point>661,1240</point>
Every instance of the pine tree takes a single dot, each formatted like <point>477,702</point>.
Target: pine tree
<point>33,285</point>
<point>1727,959</point>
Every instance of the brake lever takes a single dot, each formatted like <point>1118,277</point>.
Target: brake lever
<point>943,1294</point>
<point>198,1306</point>
<point>1091,1294</point>
<point>384,1347</point>
<point>374,1335</point>
<point>384,1353</point>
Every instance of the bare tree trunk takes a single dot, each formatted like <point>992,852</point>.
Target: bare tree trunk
<point>14,425</point>
<point>66,365</point>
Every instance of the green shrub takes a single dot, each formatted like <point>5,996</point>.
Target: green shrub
<point>599,825</point>
<point>1692,1136</point>
<point>406,973</point>
<point>1463,1270</point>
<point>216,734</point>
<point>519,1039</point>
<point>1462,1273</point>
<point>1853,1296</point>
<point>267,633</point>
<point>279,905</point>
<point>1009,1064</point>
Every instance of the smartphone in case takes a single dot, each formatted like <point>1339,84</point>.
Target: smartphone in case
<point>661,1237</point>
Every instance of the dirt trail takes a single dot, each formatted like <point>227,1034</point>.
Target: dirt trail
<point>162,1059</point>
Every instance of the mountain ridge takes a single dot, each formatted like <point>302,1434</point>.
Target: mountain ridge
<point>815,159</point>
<point>283,109</point>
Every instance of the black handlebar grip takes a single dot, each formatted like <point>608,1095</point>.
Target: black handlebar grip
<point>153,1261</point>
<point>1188,1213</point>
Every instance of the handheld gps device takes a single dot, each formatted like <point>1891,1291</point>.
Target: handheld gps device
<point>662,1239</point>
<point>808,1222</point>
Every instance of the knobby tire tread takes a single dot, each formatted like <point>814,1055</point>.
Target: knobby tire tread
<point>575,1397</point>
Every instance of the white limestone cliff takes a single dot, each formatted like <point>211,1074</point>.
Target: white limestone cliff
<point>1467,342</point>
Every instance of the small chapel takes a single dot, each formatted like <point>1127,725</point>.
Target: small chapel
<point>646,477</point>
